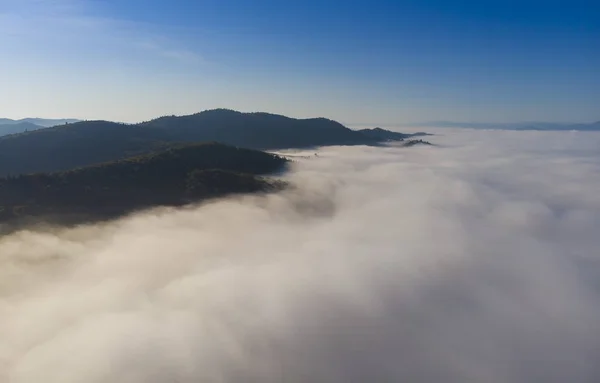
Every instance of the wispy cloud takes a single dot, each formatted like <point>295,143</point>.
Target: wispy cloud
<point>66,26</point>
<point>168,49</point>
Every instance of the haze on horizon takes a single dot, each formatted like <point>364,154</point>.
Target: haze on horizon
<point>389,62</point>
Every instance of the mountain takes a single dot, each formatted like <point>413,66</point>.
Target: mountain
<point>43,122</point>
<point>258,130</point>
<point>386,135</point>
<point>85,143</point>
<point>170,177</point>
<point>80,144</point>
<point>49,122</point>
<point>17,127</point>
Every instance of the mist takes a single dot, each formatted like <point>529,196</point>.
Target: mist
<point>474,260</point>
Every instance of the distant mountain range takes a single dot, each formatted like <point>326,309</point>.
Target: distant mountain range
<point>44,122</point>
<point>85,143</point>
<point>9,126</point>
<point>549,126</point>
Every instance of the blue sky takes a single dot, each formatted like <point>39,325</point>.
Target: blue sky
<point>380,62</point>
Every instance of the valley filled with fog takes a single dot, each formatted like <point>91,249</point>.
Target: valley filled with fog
<point>473,260</point>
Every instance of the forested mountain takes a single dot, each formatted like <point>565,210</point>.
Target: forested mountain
<point>85,143</point>
<point>258,130</point>
<point>69,146</point>
<point>170,177</point>
<point>387,135</point>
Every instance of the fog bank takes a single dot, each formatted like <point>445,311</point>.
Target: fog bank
<point>476,260</point>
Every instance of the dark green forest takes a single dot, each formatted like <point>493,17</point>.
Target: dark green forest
<point>170,177</point>
<point>90,142</point>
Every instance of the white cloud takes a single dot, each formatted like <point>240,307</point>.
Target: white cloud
<point>473,261</point>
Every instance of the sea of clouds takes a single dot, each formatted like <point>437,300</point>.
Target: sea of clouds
<point>477,260</point>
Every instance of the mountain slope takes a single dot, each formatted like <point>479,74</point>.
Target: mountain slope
<point>17,127</point>
<point>258,130</point>
<point>90,142</point>
<point>169,177</point>
<point>68,146</point>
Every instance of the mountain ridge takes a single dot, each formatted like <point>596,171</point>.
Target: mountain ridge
<point>43,122</point>
<point>85,143</point>
<point>9,126</point>
<point>173,176</point>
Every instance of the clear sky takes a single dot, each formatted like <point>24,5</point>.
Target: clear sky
<point>355,61</point>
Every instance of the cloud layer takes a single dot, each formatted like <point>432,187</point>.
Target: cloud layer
<point>473,261</point>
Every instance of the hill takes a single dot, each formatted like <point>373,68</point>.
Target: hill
<point>17,127</point>
<point>85,143</point>
<point>42,122</point>
<point>258,130</point>
<point>69,146</point>
<point>387,135</point>
<point>50,122</point>
<point>170,177</point>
